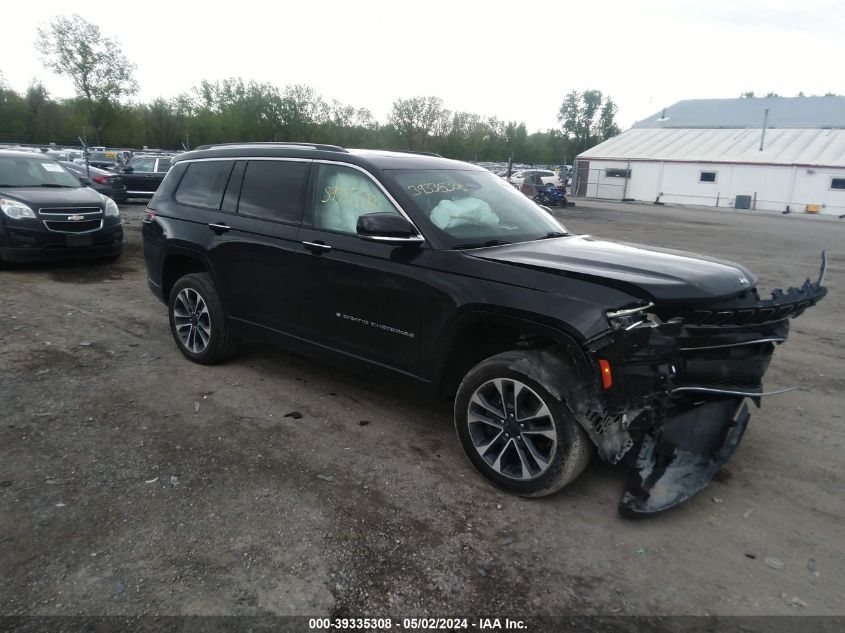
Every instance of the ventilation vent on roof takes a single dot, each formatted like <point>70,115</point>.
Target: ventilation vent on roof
<point>663,116</point>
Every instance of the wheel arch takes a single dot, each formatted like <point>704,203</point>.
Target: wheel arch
<point>179,262</point>
<point>480,334</point>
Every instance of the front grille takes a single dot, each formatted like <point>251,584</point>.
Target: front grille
<point>749,310</point>
<point>78,226</point>
<point>85,219</point>
<point>53,211</point>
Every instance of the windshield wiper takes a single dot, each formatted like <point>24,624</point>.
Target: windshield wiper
<point>551,234</point>
<point>480,244</point>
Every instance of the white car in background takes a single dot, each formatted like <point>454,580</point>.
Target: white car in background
<point>547,176</point>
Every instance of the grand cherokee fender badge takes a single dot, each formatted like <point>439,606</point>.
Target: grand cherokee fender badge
<point>369,323</point>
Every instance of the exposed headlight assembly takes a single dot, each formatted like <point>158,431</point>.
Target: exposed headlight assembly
<point>111,207</point>
<point>633,318</point>
<point>16,210</point>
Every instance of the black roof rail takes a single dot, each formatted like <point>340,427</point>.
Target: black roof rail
<point>410,151</point>
<point>320,146</point>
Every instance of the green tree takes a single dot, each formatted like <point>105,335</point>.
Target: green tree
<point>13,114</point>
<point>418,119</point>
<point>101,74</point>
<point>302,110</point>
<point>587,118</point>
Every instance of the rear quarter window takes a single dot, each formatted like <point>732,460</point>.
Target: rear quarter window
<point>168,186</point>
<point>203,184</point>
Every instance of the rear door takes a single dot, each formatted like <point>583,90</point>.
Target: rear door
<point>255,257</point>
<point>140,179</point>
<point>364,299</point>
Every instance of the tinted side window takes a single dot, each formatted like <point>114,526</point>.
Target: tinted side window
<point>274,190</point>
<point>344,194</point>
<point>163,165</point>
<point>204,183</point>
<point>143,164</point>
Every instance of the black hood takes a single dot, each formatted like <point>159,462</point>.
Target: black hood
<point>663,274</point>
<point>46,197</point>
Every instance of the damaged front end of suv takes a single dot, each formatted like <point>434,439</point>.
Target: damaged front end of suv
<point>676,379</point>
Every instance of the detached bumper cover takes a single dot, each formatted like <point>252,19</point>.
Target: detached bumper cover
<point>682,456</point>
<point>682,375</point>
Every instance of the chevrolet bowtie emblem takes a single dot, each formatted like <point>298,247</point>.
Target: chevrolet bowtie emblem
<point>73,218</point>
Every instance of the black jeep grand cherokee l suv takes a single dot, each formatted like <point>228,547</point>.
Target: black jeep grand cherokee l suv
<point>441,272</point>
<point>46,213</point>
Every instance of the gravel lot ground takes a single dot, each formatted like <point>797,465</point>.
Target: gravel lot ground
<point>134,481</point>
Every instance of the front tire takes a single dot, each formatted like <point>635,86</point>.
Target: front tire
<point>197,320</point>
<point>520,436</point>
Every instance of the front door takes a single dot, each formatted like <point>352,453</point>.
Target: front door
<point>360,298</point>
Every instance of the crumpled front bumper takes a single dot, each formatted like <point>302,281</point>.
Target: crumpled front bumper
<point>682,375</point>
<point>681,457</point>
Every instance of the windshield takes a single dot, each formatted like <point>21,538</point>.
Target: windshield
<point>23,171</point>
<point>474,208</point>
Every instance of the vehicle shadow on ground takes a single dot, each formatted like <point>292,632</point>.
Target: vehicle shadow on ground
<point>79,271</point>
<point>598,488</point>
<point>334,378</point>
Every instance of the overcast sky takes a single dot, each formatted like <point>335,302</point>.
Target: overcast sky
<point>492,58</point>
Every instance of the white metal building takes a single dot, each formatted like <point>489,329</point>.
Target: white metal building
<point>708,152</point>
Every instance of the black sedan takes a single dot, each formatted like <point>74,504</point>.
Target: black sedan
<point>102,181</point>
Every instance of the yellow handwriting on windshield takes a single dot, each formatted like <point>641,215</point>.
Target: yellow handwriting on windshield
<point>427,188</point>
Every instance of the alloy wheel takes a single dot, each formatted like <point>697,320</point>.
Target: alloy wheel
<point>512,429</point>
<point>192,320</point>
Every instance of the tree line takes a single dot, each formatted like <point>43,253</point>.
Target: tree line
<point>237,110</point>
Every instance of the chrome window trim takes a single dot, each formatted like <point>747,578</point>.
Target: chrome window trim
<point>322,161</point>
<point>395,204</point>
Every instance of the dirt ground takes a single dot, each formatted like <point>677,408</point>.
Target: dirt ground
<point>135,482</point>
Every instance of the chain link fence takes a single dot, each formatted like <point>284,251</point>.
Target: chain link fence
<point>608,184</point>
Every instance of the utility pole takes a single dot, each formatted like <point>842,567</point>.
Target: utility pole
<point>84,141</point>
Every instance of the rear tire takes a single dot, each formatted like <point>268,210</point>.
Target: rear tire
<point>197,320</point>
<point>519,435</point>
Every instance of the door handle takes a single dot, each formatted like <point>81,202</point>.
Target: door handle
<point>317,247</point>
<point>218,228</point>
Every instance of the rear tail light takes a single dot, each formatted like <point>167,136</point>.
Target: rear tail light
<point>149,215</point>
<point>103,180</point>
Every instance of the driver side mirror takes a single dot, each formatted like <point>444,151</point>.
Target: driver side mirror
<point>128,169</point>
<point>387,228</point>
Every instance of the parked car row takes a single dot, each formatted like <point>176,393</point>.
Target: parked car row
<point>100,180</point>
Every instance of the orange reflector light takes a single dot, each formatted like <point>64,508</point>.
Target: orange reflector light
<point>606,377</point>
